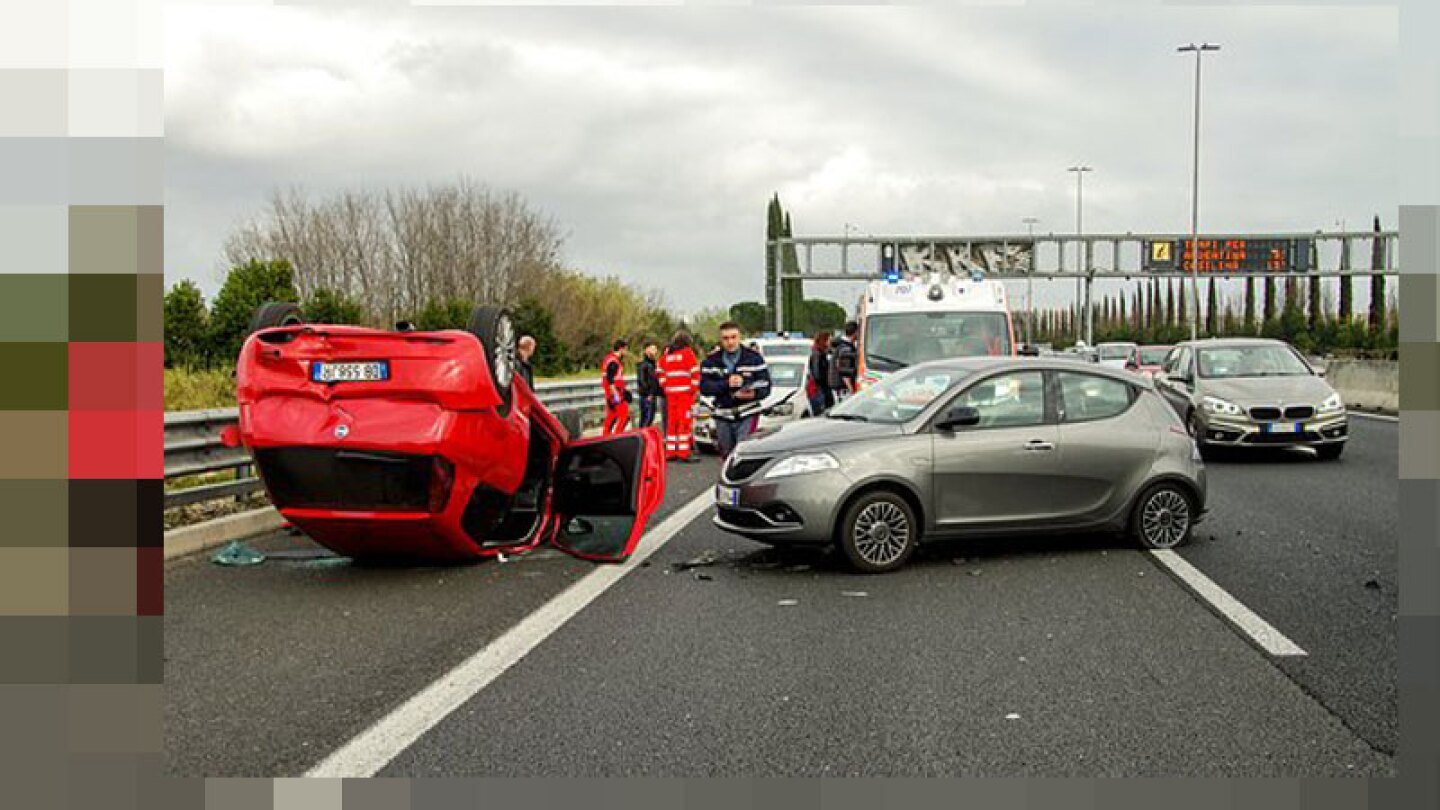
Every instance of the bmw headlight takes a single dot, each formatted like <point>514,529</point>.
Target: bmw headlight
<point>1216,405</point>
<point>784,409</point>
<point>1332,404</point>
<point>804,463</point>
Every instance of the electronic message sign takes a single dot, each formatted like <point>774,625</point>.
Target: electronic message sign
<point>1243,255</point>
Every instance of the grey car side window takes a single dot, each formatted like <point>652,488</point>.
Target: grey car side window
<point>1086,397</point>
<point>1016,399</point>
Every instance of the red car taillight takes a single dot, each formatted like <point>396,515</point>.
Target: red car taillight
<point>442,478</point>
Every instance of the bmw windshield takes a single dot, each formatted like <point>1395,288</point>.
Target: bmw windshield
<point>899,397</point>
<point>1258,360</point>
<point>898,339</point>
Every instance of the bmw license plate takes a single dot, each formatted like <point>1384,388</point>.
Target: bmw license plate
<point>1282,427</point>
<point>370,371</point>
<point>727,496</point>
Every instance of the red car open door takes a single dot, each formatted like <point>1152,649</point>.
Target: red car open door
<point>605,489</point>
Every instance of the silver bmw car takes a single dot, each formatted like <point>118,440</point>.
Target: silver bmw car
<point>1253,392</point>
<point>967,447</point>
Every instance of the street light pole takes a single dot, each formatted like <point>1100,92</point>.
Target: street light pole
<point>1195,193</point>
<point>1030,284</point>
<point>1079,246</point>
<point>845,249</point>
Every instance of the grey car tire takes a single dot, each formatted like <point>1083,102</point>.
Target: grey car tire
<point>1164,516</point>
<point>878,532</point>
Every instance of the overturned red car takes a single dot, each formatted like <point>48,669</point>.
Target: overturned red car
<point>427,445</point>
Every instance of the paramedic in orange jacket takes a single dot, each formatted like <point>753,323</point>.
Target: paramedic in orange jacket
<point>612,381</point>
<point>679,374</point>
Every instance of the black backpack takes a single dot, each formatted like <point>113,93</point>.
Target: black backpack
<point>842,364</point>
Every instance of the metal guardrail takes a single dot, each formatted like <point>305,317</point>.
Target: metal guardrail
<point>192,441</point>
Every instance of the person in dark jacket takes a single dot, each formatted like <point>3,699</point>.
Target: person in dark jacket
<point>844,362</point>
<point>647,384</point>
<point>736,380</point>
<point>524,350</point>
<point>817,379</point>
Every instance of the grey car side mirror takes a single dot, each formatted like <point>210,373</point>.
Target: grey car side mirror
<point>959,416</point>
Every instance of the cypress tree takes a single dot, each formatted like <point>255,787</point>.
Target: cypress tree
<point>1317,316</point>
<point>1169,303</point>
<point>1212,305</point>
<point>793,288</point>
<point>1182,310</point>
<point>1268,305</point>
<point>1248,327</point>
<point>1377,284</point>
<point>774,226</point>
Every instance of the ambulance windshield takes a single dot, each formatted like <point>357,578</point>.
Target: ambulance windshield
<point>898,339</point>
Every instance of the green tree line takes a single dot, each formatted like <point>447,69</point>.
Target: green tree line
<point>1299,311</point>
<point>574,318</point>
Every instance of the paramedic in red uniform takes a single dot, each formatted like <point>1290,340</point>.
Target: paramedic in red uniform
<point>680,379</point>
<point>612,380</point>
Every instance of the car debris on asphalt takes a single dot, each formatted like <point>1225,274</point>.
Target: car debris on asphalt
<point>237,553</point>
<point>706,558</point>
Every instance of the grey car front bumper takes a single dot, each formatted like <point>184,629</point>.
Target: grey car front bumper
<point>794,509</point>
<point>1241,431</point>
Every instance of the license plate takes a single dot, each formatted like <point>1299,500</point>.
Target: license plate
<point>1282,427</point>
<point>727,496</point>
<point>371,371</point>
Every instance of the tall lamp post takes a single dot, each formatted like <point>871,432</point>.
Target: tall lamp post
<point>1079,246</point>
<point>1030,284</point>
<point>845,248</point>
<point>1198,50</point>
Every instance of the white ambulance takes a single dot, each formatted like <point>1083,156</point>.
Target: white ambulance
<point>913,318</point>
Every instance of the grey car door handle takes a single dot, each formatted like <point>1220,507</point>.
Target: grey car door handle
<point>1037,445</point>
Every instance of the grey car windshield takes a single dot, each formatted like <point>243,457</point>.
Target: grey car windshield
<point>1250,361</point>
<point>897,339</point>
<point>1115,352</point>
<point>899,397</point>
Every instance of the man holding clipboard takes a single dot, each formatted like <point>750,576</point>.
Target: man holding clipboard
<point>736,380</point>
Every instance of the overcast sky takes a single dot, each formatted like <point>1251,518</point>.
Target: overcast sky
<point>655,136</point>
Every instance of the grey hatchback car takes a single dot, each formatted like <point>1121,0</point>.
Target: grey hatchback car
<point>968,447</point>
<point>1253,392</point>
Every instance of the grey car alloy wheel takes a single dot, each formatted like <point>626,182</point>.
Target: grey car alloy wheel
<point>1164,518</point>
<point>881,533</point>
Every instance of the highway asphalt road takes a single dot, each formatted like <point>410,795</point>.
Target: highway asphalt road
<point>1051,656</point>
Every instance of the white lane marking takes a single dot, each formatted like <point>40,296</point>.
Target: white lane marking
<point>373,748</point>
<point>1269,639</point>
<point>1380,416</point>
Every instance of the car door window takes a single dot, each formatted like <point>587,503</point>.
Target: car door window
<point>1007,400</point>
<point>1087,397</point>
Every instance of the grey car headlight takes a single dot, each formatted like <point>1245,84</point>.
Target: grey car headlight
<point>1217,405</point>
<point>783,409</point>
<point>1332,404</point>
<point>803,463</point>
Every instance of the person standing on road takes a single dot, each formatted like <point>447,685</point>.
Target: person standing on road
<point>737,380</point>
<point>844,362</point>
<point>647,384</point>
<point>612,381</point>
<point>680,379</point>
<point>817,376</point>
<point>524,350</point>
